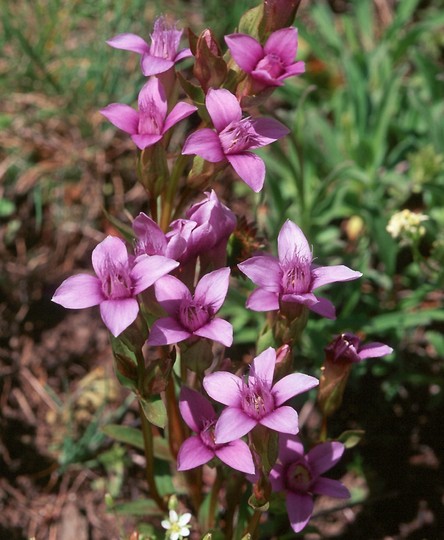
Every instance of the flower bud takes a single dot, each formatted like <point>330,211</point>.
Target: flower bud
<point>210,69</point>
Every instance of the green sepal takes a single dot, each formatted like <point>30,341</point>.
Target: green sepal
<point>154,411</point>
<point>251,22</point>
<point>125,363</point>
<point>259,506</point>
<point>351,437</point>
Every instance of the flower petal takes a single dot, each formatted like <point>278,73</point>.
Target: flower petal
<point>250,167</point>
<point>80,291</point>
<point>306,299</point>
<point>149,235</point>
<point>213,287</point>
<point>144,140</point>
<point>324,456</point>
<point>152,99</point>
<point>374,350</point>
<point>181,55</point>
<point>204,143</point>
<point>299,509</point>
<point>245,50</point>
<point>180,111</point>
<point>283,43</point>
<point>277,476</point>
<point>166,331</point>
<point>323,275</point>
<point>294,69</point>
<point>224,387</point>
<point>292,242</point>
<point>291,386</point>
<point>284,419</point>
<point>218,330</point>
<point>193,453</point>
<point>148,269</point>
<point>195,409</point>
<point>264,271</point>
<point>153,65</point>
<point>324,308</point>
<point>170,292</point>
<point>291,448</point>
<point>262,368</point>
<point>330,487</point>
<point>268,131</point>
<point>262,300</point>
<point>223,108</point>
<point>119,314</point>
<point>236,455</point>
<point>111,248</point>
<point>122,116</point>
<point>129,42</point>
<point>233,424</point>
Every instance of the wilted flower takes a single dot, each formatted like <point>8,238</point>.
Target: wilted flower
<point>163,52</point>
<point>256,401</point>
<point>271,64</point>
<point>192,315</point>
<point>199,416</point>
<point>116,286</point>
<point>406,225</point>
<point>299,475</point>
<point>292,277</point>
<point>148,125</point>
<point>177,527</point>
<point>234,137</point>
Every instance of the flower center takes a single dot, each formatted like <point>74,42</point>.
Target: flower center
<point>207,434</point>
<point>193,315</point>
<point>257,400</point>
<point>116,282</point>
<point>238,136</point>
<point>344,349</point>
<point>298,477</point>
<point>164,40</point>
<point>297,277</point>
<point>150,119</point>
<point>272,64</point>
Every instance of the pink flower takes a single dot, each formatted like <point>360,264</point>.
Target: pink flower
<point>347,348</point>
<point>116,286</point>
<point>292,277</point>
<point>299,475</point>
<point>148,125</point>
<point>163,52</point>
<point>234,137</point>
<point>256,401</point>
<point>271,64</point>
<point>192,315</point>
<point>199,416</point>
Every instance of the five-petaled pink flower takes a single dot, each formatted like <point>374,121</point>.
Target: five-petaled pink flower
<point>271,64</point>
<point>234,137</point>
<point>116,286</point>
<point>299,476</point>
<point>199,416</point>
<point>256,401</point>
<point>192,315</point>
<point>292,277</point>
<point>163,52</point>
<point>148,125</point>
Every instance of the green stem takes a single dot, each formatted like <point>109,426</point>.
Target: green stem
<point>254,522</point>
<point>213,500</point>
<point>167,207</point>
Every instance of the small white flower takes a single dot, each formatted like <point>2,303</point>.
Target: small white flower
<point>177,527</point>
<point>406,225</point>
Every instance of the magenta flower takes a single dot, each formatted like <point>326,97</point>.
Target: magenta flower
<point>271,64</point>
<point>256,401</point>
<point>347,348</point>
<point>234,137</point>
<point>199,416</point>
<point>192,315</point>
<point>299,475</point>
<point>148,125</point>
<point>163,52</point>
<point>116,286</point>
<point>292,277</point>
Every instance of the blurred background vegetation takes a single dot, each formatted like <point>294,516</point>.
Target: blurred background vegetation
<point>367,142</point>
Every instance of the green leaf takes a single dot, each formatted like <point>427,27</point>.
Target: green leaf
<point>250,22</point>
<point>351,437</point>
<point>141,507</point>
<point>125,434</point>
<point>154,411</point>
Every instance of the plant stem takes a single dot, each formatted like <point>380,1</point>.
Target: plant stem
<point>254,522</point>
<point>167,207</point>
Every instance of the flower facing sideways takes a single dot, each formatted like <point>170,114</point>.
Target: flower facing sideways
<point>116,286</point>
<point>292,277</point>
<point>198,449</point>
<point>234,138</point>
<point>271,64</point>
<point>256,401</point>
<point>163,52</point>
<point>192,315</point>
<point>149,124</point>
<point>299,476</point>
